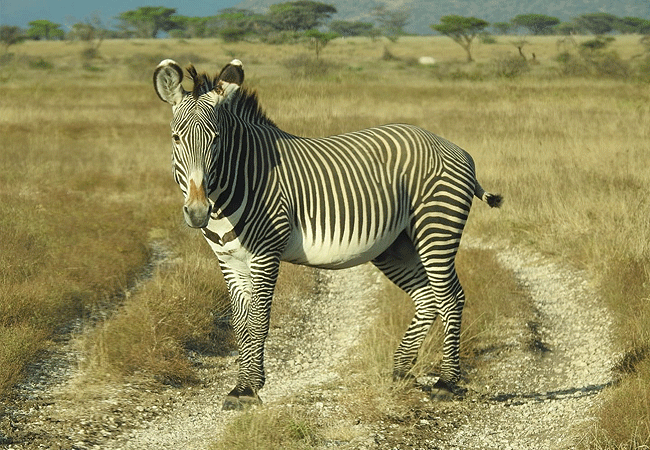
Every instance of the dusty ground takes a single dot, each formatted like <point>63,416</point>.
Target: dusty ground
<point>535,390</point>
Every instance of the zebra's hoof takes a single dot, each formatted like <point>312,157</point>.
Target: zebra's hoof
<point>232,403</point>
<point>440,390</point>
<point>236,401</point>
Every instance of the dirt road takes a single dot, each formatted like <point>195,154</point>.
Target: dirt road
<point>539,387</point>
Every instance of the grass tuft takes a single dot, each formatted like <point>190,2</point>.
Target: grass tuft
<point>271,428</point>
<point>180,309</point>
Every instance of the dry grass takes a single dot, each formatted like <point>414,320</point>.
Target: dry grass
<point>74,226</point>
<point>84,177</point>
<point>183,307</point>
<point>284,428</point>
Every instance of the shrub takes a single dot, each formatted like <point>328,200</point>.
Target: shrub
<point>608,65</point>
<point>594,63</point>
<point>571,65</point>
<point>643,69</point>
<point>282,37</point>
<point>510,67</point>
<point>41,64</point>
<point>306,67</point>
<point>488,39</point>
<point>232,34</point>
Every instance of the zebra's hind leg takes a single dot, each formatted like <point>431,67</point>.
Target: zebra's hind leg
<point>437,238</point>
<point>437,228</point>
<point>402,265</point>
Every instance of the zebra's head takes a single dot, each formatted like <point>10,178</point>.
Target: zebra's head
<point>195,133</point>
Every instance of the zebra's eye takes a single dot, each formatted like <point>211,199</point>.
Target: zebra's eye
<point>176,138</point>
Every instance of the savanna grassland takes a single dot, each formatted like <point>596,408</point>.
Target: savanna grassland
<point>86,196</point>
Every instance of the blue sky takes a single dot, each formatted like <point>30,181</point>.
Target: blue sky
<point>68,12</point>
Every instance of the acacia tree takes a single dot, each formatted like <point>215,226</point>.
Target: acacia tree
<point>317,40</point>
<point>300,15</point>
<point>348,28</point>
<point>462,30</point>
<point>536,23</point>
<point>597,23</point>
<point>502,27</point>
<point>233,24</point>
<point>628,25</point>
<point>44,29</point>
<point>148,21</point>
<point>190,27</point>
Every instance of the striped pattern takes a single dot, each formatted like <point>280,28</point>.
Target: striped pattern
<point>396,195</point>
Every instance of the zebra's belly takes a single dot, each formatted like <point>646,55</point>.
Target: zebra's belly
<point>336,254</point>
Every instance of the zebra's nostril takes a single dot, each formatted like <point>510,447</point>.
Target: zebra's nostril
<point>196,216</point>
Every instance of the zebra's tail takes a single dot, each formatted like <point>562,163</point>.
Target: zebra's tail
<point>494,200</point>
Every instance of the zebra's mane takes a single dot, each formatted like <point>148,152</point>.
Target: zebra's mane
<point>245,105</point>
<point>244,102</point>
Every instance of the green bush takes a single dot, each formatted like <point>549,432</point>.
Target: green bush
<point>40,64</point>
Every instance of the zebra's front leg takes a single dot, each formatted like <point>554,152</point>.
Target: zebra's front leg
<point>239,289</point>
<point>251,316</point>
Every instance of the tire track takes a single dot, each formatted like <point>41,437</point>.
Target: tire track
<point>543,398</point>
<point>301,354</point>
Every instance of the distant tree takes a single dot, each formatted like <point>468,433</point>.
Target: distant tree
<point>644,28</point>
<point>92,34</point>
<point>190,27</point>
<point>234,24</point>
<point>44,29</point>
<point>462,30</point>
<point>347,28</point>
<point>520,44</point>
<point>568,28</point>
<point>299,15</point>
<point>536,23</point>
<point>148,21</point>
<point>597,23</point>
<point>91,30</point>
<point>502,27</point>
<point>11,35</point>
<point>318,40</point>
<point>629,25</point>
<point>391,21</point>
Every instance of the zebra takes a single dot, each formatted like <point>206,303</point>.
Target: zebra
<point>395,195</point>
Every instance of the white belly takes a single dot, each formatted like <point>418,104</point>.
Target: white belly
<point>336,255</point>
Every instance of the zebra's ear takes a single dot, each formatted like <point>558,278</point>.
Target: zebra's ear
<point>228,81</point>
<point>233,72</point>
<point>167,81</point>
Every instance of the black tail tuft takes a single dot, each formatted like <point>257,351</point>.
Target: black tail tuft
<point>494,200</point>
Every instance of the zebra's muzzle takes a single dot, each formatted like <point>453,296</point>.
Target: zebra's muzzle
<point>197,207</point>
